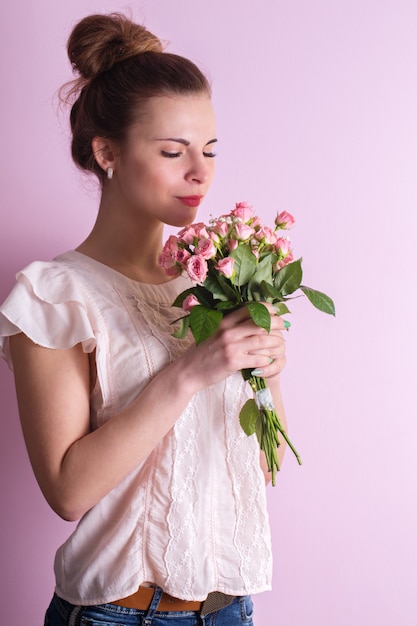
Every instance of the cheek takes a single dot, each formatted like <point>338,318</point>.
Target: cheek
<point>160,177</point>
<point>140,181</point>
<point>212,170</point>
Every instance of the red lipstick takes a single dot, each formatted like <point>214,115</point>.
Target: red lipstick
<point>190,200</point>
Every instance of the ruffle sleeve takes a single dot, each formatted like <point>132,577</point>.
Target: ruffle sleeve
<point>50,306</point>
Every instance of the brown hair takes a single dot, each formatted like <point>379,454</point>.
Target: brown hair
<point>120,65</point>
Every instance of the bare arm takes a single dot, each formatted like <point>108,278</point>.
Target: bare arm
<point>76,468</point>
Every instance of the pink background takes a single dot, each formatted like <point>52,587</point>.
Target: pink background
<point>317,114</point>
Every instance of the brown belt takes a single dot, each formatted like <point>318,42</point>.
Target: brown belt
<point>142,598</point>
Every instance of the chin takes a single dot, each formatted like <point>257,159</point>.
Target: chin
<point>180,221</point>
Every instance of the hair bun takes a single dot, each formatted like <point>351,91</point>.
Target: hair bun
<point>97,42</point>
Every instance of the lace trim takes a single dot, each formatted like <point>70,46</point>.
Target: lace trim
<point>182,548</point>
<point>252,525</point>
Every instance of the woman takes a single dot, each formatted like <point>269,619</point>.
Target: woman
<point>129,430</point>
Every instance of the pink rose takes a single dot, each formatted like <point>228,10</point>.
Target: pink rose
<point>170,248</point>
<point>267,235</point>
<point>232,244</point>
<point>189,302</point>
<point>188,234</point>
<point>221,228</point>
<point>171,243</point>
<point>166,261</point>
<point>201,230</point>
<point>243,232</point>
<point>284,220</point>
<point>182,255</point>
<point>169,264</point>
<point>206,248</point>
<point>283,246</point>
<point>243,210</point>
<point>214,237</point>
<point>225,266</point>
<point>285,261</point>
<point>197,268</point>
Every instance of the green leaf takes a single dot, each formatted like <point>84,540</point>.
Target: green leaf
<point>203,296</point>
<point>260,314</point>
<point>181,297</point>
<point>183,328</point>
<point>247,373</point>
<point>204,322</point>
<point>263,271</point>
<point>319,300</point>
<point>268,253</point>
<point>249,416</point>
<point>288,279</point>
<point>212,284</point>
<point>228,288</point>
<point>219,287</point>
<point>281,308</point>
<point>225,305</point>
<point>263,274</point>
<point>245,264</point>
<point>269,292</point>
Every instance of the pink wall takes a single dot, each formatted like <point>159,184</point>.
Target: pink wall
<point>317,112</point>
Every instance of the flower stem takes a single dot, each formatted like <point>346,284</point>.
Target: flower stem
<point>269,426</point>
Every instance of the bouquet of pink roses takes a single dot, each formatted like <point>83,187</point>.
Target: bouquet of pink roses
<point>236,261</point>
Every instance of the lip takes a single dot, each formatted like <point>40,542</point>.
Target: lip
<point>190,200</point>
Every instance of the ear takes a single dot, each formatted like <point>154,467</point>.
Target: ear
<point>104,152</point>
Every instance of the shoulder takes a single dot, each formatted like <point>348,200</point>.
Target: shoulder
<point>53,281</point>
<point>49,304</point>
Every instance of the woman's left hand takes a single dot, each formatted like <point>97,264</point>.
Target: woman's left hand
<point>277,355</point>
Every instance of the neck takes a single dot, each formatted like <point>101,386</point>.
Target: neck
<point>130,245</point>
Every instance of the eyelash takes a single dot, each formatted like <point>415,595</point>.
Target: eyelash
<point>174,155</point>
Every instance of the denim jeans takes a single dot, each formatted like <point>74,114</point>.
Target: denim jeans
<point>62,613</point>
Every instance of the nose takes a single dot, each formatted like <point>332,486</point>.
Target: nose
<point>200,170</point>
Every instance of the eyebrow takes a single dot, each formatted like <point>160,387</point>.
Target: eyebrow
<point>185,142</point>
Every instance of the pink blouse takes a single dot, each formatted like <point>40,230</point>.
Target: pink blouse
<point>192,517</point>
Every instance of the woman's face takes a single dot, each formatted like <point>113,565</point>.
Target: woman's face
<point>166,166</point>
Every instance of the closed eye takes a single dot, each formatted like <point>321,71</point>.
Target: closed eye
<point>174,155</point>
<point>170,155</point>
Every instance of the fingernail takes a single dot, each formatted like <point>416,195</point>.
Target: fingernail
<point>257,372</point>
<point>287,324</point>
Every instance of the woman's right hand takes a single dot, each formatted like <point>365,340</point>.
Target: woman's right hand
<point>237,344</point>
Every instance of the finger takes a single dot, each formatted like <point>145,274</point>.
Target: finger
<point>237,317</point>
<point>279,322</point>
<point>273,350</point>
<point>269,343</point>
<point>272,368</point>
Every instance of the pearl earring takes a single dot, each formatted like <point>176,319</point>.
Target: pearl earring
<point>109,173</point>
